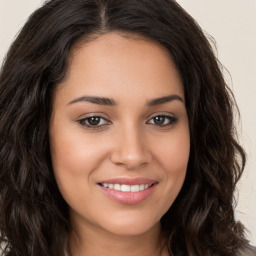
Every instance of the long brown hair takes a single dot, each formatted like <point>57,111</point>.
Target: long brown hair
<point>33,215</point>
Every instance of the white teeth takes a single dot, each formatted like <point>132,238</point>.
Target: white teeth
<point>117,187</point>
<point>135,188</point>
<point>126,188</point>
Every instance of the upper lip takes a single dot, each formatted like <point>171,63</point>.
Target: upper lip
<point>129,181</point>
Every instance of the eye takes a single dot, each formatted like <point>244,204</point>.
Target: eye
<point>94,122</point>
<point>163,120</point>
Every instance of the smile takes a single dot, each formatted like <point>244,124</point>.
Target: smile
<point>128,191</point>
<point>126,188</point>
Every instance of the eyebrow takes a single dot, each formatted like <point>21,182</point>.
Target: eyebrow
<point>111,102</point>
<point>95,100</point>
<point>164,99</point>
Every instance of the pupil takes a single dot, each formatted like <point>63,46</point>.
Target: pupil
<point>94,120</point>
<point>159,119</point>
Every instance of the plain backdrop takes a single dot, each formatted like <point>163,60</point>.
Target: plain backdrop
<point>232,23</point>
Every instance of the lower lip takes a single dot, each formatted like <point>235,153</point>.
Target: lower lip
<point>128,197</point>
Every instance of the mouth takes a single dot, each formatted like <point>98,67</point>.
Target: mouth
<point>128,191</point>
<point>126,187</point>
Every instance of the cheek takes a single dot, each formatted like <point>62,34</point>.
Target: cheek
<point>173,155</point>
<point>74,152</point>
<point>74,158</point>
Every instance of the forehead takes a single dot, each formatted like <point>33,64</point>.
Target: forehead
<point>112,64</point>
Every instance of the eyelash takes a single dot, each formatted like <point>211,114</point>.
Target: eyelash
<point>84,122</point>
<point>171,120</point>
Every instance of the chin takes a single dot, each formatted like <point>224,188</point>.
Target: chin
<point>131,226</point>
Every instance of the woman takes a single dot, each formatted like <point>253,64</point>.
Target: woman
<point>117,135</point>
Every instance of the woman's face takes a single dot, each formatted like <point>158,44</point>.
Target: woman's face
<point>119,135</point>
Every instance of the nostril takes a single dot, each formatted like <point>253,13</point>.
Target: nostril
<point>130,160</point>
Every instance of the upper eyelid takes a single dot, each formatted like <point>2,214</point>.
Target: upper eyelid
<point>106,117</point>
<point>87,117</point>
<point>164,115</point>
<point>167,114</point>
<point>93,114</point>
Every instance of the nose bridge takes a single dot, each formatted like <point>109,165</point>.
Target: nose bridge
<point>130,148</point>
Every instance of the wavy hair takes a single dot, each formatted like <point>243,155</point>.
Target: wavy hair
<point>33,215</point>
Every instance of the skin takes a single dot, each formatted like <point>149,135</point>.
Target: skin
<point>128,142</point>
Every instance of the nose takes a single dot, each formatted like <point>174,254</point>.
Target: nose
<point>130,149</point>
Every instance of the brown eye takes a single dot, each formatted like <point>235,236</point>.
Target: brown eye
<point>159,120</point>
<point>163,120</point>
<point>94,122</point>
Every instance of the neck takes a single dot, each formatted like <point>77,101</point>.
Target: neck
<point>93,241</point>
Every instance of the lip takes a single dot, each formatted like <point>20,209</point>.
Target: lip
<point>128,197</point>
<point>129,181</point>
